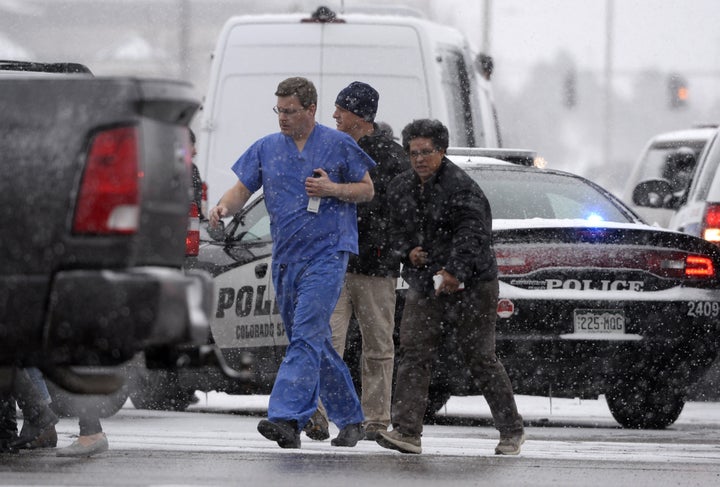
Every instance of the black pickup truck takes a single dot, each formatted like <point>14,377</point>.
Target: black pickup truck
<point>94,215</point>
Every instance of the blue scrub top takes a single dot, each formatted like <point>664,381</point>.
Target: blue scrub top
<point>275,163</point>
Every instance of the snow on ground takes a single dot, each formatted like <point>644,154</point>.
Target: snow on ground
<point>579,431</point>
<point>533,408</point>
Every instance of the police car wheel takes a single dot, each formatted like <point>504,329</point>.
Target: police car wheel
<point>644,404</point>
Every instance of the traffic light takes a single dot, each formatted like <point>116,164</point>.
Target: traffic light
<point>678,91</point>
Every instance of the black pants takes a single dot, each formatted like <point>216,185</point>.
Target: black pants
<point>472,313</point>
<point>89,423</point>
<point>8,417</point>
<point>32,402</point>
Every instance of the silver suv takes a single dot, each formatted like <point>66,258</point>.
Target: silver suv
<point>667,164</point>
<point>699,212</point>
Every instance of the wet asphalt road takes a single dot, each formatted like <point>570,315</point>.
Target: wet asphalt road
<point>220,446</point>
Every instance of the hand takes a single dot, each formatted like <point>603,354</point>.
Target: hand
<point>418,257</point>
<point>216,213</point>
<point>449,283</point>
<point>319,185</point>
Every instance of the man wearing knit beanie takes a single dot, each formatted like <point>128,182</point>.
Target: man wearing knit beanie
<point>369,287</point>
<point>359,98</point>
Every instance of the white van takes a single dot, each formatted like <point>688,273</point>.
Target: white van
<point>421,69</point>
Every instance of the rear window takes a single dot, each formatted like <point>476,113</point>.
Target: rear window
<point>519,195</point>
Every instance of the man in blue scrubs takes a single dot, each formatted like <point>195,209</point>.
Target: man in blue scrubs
<point>304,161</point>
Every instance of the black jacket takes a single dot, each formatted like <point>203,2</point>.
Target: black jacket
<point>375,257</point>
<point>449,217</point>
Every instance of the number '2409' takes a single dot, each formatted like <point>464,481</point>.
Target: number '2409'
<point>697,309</point>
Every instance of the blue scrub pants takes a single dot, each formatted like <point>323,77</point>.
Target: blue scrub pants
<point>306,294</point>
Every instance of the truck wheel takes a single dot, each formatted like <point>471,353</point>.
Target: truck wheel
<point>642,404</point>
<point>67,404</point>
<point>158,389</point>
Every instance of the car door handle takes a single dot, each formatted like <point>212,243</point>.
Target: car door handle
<point>261,270</point>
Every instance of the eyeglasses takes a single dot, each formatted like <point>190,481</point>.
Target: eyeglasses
<point>414,154</point>
<point>287,111</point>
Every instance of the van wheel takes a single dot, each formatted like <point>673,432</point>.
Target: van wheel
<point>640,404</point>
<point>66,404</point>
<point>158,389</point>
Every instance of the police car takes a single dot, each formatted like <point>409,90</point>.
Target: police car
<point>592,300</point>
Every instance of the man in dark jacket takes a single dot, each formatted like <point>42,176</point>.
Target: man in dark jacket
<point>371,277</point>
<point>442,228</point>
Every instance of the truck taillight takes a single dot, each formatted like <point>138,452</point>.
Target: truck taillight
<point>203,200</point>
<point>711,223</point>
<point>109,198</point>
<point>192,240</point>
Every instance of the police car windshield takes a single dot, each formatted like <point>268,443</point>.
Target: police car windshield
<point>519,195</point>
<point>254,224</point>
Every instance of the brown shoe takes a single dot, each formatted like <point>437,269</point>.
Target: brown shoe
<point>395,440</point>
<point>372,430</point>
<point>510,444</point>
<point>317,427</point>
<point>31,437</point>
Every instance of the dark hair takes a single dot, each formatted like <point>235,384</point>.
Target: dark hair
<point>303,88</point>
<point>426,128</point>
<point>192,136</point>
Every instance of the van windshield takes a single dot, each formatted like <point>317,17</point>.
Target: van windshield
<point>672,161</point>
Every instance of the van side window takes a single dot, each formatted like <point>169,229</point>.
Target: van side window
<point>456,82</point>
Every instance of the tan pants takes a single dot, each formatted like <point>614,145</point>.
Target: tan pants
<point>373,301</point>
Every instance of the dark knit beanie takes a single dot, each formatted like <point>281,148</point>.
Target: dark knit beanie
<point>360,99</point>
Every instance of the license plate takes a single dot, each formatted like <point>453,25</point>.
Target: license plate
<point>599,321</point>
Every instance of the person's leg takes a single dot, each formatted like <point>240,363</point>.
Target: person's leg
<point>340,318</point>
<point>39,420</point>
<point>38,429</point>
<point>295,392</point>
<point>375,311</point>
<point>91,440</point>
<point>307,294</point>
<point>31,401</point>
<point>89,425</point>
<point>316,299</point>
<point>317,427</point>
<point>476,339</point>
<point>419,332</point>
<point>37,378</point>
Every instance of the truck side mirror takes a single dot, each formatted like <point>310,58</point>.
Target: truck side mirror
<point>485,65</point>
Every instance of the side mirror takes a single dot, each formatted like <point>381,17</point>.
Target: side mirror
<point>485,65</point>
<point>654,193</point>
<point>217,233</point>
